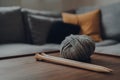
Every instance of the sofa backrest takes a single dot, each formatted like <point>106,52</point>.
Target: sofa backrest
<point>110,20</point>
<point>11,25</point>
<point>14,26</point>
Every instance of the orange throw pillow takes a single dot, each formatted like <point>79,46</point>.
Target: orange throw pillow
<point>88,22</point>
<point>69,18</point>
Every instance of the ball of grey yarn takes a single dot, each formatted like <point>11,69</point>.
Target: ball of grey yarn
<point>77,47</point>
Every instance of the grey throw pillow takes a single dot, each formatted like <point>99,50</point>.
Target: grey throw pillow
<point>11,25</point>
<point>27,12</point>
<point>40,27</point>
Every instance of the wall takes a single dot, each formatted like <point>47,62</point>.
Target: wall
<point>106,2</point>
<point>68,4</point>
<point>56,5</point>
<point>72,4</point>
<point>10,2</point>
<point>53,5</point>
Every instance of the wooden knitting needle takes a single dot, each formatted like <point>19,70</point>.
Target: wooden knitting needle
<point>72,63</point>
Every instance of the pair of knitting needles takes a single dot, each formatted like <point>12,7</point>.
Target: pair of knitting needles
<point>63,61</point>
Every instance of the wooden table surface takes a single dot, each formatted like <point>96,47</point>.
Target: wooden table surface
<point>27,68</point>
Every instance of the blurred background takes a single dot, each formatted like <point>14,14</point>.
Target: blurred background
<point>55,5</point>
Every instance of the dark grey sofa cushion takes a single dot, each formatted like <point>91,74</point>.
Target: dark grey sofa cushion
<point>110,20</point>
<point>11,50</point>
<point>27,12</point>
<point>40,27</point>
<point>11,25</point>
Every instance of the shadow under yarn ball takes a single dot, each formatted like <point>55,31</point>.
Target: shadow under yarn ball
<point>77,47</point>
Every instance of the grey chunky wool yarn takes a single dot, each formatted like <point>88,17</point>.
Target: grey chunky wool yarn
<point>77,47</point>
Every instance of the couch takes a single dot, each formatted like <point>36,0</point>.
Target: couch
<point>18,38</point>
<point>26,31</point>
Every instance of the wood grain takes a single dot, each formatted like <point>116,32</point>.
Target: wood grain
<point>26,68</point>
